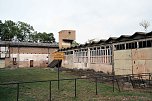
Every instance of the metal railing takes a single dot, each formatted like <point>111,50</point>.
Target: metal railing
<point>50,85</point>
<point>140,78</point>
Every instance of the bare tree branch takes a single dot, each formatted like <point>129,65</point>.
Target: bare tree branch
<point>145,24</point>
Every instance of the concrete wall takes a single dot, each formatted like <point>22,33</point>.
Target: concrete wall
<point>106,68</point>
<point>122,62</point>
<point>68,63</point>
<point>2,63</point>
<point>142,60</point>
<point>133,61</point>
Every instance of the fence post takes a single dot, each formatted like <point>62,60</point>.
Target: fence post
<point>17,97</point>
<point>96,86</point>
<point>50,85</point>
<point>58,76</point>
<point>118,85</point>
<point>75,87</point>
<point>131,82</point>
<point>149,78</point>
<point>113,82</point>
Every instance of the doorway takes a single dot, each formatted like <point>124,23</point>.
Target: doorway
<point>31,63</point>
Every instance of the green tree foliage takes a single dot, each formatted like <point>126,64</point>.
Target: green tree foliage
<point>49,38</point>
<point>34,37</point>
<point>1,27</point>
<point>45,37</point>
<point>8,30</point>
<point>25,31</point>
<point>22,32</point>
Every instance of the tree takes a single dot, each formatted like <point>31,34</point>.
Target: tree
<point>33,37</point>
<point>25,31</point>
<point>46,37</point>
<point>22,31</point>
<point>51,38</point>
<point>145,24</point>
<point>43,37</point>
<point>1,27</point>
<point>8,30</point>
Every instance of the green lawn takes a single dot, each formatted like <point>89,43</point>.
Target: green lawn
<point>40,91</point>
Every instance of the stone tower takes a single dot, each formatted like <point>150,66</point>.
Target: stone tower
<point>66,37</point>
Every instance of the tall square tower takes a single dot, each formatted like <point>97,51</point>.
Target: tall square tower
<point>66,37</point>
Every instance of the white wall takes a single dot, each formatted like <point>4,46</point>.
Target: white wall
<point>27,57</point>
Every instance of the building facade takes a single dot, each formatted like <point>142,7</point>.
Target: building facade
<point>25,54</point>
<point>122,55</point>
<point>133,55</point>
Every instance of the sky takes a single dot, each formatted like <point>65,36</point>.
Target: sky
<point>92,19</point>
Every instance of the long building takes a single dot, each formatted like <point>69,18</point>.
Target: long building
<point>122,55</point>
<point>26,54</point>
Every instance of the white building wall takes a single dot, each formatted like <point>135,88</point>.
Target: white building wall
<point>35,57</point>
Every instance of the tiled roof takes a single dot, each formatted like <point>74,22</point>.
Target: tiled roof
<point>29,44</point>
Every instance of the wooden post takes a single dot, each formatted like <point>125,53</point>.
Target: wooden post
<point>50,85</point>
<point>17,97</point>
<point>75,82</point>
<point>113,71</point>
<point>58,76</point>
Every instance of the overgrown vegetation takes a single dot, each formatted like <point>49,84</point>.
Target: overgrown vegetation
<point>40,91</point>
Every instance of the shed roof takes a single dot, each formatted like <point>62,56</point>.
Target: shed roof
<point>29,44</point>
<point>122,38</point>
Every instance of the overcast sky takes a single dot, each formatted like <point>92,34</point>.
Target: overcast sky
<point>98,19</point>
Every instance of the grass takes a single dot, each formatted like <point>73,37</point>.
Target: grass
<point>40,91</point>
